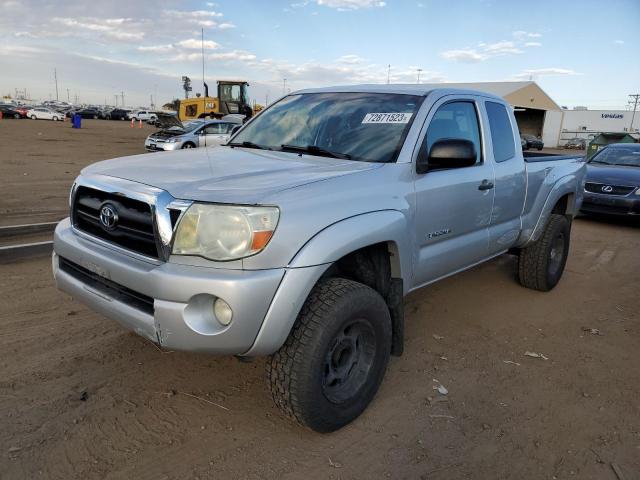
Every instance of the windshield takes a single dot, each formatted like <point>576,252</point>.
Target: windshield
<point>367,127</point>
<point>189,126</point>
<point>627,156</point>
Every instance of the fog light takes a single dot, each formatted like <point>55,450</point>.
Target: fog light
<point>223,312</point>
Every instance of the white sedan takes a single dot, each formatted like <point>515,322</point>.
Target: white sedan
<point>41,113</point>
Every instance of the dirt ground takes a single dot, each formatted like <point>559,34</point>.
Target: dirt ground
<point>82,398</point>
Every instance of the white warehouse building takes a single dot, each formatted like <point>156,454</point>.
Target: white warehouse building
<point>586,124</point>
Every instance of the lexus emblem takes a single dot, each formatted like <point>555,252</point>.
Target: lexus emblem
<point>607,189</point>
<point>108,216</point>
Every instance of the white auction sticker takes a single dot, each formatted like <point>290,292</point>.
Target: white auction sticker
<point>387,118</point>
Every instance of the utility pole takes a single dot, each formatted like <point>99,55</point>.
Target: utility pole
<point>151,104</point>
<point>284,86</point>
<point>204,94</point>
<point>635,99</point>
<point>388,73</point>
<point>419,70</point>
<point>68,101</point>
<point>122,93</point>
<point>55,76</point>
<point>115,98</point>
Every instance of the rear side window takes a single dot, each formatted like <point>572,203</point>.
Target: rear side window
<point>501,132</point>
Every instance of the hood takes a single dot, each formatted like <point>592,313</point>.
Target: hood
<point>226,175</point>
<point>613,174</point>
<point>168,120</point>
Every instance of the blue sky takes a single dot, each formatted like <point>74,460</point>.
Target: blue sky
<point>581,53</point>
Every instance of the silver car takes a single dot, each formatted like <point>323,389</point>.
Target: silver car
<point>175,135</point>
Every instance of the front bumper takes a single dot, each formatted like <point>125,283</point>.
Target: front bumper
<point>611,204</point>
<point>160,146</point>
<point>181,316</point>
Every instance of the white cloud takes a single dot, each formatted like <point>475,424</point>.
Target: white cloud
<point>619,42</point>
<point>344,5</point>
<point>195,44</point>
<point>532,44</point>
<point>464,55</point>
<point>125,29</point>
<point>350,59</point>
<point>226,26</point>
<point>544,72</point>
<point>521,34</point>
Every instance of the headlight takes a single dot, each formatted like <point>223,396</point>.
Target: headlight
<point>224,232</point>
<point>173,140</point>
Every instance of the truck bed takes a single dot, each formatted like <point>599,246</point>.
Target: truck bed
<point>531,157</point>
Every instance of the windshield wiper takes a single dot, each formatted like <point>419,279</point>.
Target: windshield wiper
<point>315,150</point>
<point>248,145</point>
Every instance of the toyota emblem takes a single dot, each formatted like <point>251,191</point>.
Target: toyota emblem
<point>607,189</point>
<point>108,216</point>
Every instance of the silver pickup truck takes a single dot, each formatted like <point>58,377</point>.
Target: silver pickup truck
<point>300,237</point>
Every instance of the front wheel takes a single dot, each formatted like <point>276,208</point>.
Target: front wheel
<point>33,117</point>
<point>16,116</point>
<point>541,264</point>
<point>333,361</point>
<point>188,145</point>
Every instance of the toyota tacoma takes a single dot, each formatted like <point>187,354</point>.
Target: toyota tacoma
<point>299,238</point>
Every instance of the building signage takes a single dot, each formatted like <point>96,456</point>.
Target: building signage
<point>612,115</point>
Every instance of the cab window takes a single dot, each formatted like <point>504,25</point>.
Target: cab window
<point>504,147</point>
<point>457,120</point>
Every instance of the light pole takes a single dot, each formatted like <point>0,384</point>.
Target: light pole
<point>284,86</point>
<point>388,73</point>
<point>419,70</point>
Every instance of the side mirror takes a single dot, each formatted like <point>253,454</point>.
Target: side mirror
<point>447,153</point>
<point>235,129</point>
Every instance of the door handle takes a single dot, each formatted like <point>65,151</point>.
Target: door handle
<point>485,185</point>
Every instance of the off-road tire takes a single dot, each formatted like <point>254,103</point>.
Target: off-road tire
<point>538,267</point>
<point>297,373</point>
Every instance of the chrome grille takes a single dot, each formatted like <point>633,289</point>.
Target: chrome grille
<point>133,229</point>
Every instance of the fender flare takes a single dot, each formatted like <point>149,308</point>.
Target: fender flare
<point>316,256</point>
<point>354,233</point>
<point>564,186</point>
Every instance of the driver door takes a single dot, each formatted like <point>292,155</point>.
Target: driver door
<point>453,206</point>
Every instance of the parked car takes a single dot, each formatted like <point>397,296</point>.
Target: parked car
<point>85,113</point>
<point>175,135</point>
<point>42,113</point>
<point>612,185</point>
<point>531,141</point>
<point>118,114</point>
<point>22,110</point>
<point>300,237</point>
<point>9,112</point>
<point>576,143</point>
<point>142,115</point>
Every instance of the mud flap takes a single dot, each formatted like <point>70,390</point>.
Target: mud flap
<point>395,301</point>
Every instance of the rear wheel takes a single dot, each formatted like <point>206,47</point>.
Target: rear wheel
<point>333,361</point>
<point>55,119</point>
<point>16,115</point>
<point>541,264</point>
